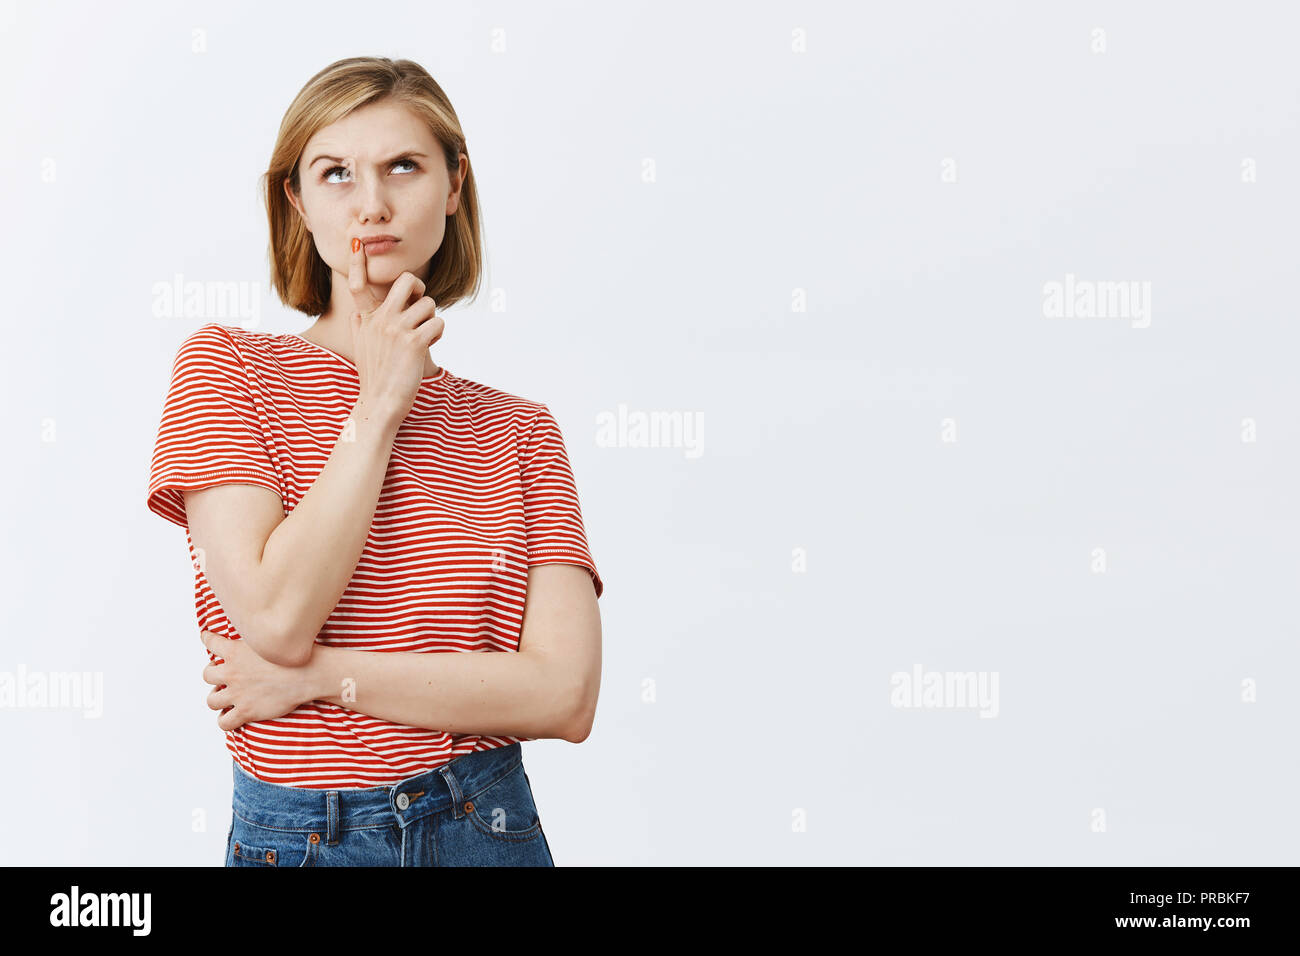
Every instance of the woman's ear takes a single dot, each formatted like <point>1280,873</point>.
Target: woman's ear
<point>296,203</point>
<point>453,194</point>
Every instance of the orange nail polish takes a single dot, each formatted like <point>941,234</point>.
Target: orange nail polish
<point>356,244</point>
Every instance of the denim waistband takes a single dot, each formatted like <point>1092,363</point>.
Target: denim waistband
<point>327,811</point>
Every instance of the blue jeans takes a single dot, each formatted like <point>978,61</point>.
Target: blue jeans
<point>477,810</point>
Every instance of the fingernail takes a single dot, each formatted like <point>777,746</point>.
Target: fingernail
<point>356,244</point>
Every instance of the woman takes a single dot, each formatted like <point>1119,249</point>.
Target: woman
<point>356,513</point>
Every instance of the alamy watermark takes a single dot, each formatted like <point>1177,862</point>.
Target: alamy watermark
<point>233,302</point>
<point>1098,299</point>
<point>102,909</point>
<point>945,690</point>
<point>56,690</point>
<point>651,429</point>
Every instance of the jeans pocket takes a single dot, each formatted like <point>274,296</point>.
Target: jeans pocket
<point>505,810</point>
<point>254,845</point>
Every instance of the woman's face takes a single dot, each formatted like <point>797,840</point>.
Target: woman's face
<point>379,170</point>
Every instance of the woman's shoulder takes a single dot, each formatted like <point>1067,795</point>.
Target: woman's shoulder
<point>260,354</point>
<point>246,340</point>
<point>214,337</point>
<point>496,404</point>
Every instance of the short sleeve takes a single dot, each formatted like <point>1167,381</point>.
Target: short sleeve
<point>552,516</point>
<point>211,431</point>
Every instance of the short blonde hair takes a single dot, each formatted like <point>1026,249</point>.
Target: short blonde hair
<point>298,273</point>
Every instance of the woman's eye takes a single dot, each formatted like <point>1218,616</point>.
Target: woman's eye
<point>342,169</point>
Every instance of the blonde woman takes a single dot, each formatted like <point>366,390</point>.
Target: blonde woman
<point>392,576</point>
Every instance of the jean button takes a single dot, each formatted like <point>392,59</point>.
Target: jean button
<point>403,801</point>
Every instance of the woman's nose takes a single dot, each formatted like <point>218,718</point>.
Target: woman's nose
<point>372,198</point>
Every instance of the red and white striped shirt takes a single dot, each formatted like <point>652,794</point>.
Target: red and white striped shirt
<point>478,489</point>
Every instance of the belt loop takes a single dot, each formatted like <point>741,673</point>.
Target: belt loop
<point>457,811</point>
<point>332,817</point>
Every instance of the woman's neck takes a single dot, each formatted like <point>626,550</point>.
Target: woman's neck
<point>325,334</point>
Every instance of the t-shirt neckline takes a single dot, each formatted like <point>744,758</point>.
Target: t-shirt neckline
<point>442,369</point>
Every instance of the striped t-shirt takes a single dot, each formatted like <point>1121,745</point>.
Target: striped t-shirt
<point>478,489</point>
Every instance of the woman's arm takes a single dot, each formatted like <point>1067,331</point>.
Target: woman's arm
<point>547,688</point>
<point>506,693</point>
<point>498,693</point>
<point>279,576</point>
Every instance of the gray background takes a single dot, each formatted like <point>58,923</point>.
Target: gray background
<point>775,171</point>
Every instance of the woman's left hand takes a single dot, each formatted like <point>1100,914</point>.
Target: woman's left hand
<point>248,687</point>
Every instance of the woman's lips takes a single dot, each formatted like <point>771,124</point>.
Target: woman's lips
<point>380,247</point>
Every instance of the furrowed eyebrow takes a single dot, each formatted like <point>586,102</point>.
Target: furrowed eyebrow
<point>335,159</point>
